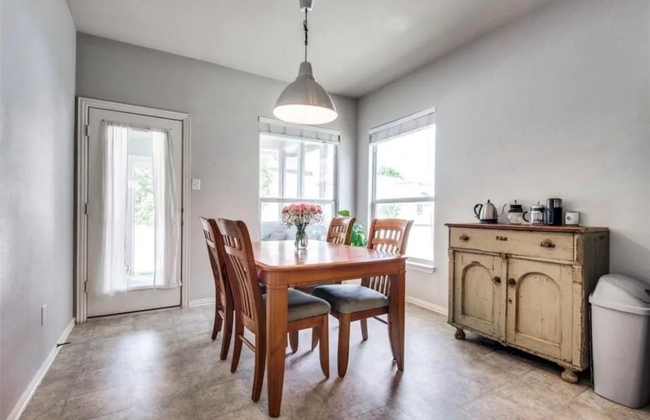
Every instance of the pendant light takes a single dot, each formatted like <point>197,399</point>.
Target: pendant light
<point>304,101</point>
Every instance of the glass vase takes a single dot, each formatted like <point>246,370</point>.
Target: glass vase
<point>301,238</point>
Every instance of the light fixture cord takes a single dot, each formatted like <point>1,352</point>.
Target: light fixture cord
<point>306,29</point>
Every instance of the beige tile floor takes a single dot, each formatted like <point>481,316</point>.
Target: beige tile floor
<point>163,366</point>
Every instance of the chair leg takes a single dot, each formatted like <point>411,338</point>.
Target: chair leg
<point>315,333</point>
<point>293,341</point>
<point>217,323</point>
<point>227,333</point>
<point>344,344</point>
<point>392,348</point>
<point>324,349</point>
<point>236,351</point>
<point>260,365</point>
<point>364,329</point>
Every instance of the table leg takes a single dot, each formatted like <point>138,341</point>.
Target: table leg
<point>276,336</point>
<point>396,317</point>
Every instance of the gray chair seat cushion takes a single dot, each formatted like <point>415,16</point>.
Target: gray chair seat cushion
<point>348,298</point>
<point>302,305</point>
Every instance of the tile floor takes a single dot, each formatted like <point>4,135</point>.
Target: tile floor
<point>163,366</point>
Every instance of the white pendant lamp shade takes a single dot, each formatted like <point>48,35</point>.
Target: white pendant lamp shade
<point>304,101</point>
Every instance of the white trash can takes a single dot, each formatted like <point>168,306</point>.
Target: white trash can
<point>620,325</point>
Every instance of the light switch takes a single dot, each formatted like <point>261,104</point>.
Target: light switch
<point>196,184</point>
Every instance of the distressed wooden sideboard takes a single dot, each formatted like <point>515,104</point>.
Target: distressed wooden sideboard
<point>527,287</point>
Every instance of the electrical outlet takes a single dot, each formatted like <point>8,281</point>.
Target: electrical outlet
<point>196,184</point>
<point>43,315</point>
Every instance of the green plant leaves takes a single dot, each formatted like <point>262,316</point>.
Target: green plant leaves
<point>358,237</point>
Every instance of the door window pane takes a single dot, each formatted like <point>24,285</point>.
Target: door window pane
<point>140,236</point>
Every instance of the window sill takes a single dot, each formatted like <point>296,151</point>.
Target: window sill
<point>422,267</point>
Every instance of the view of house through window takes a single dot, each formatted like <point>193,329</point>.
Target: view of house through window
<point>403,186</point>
<point>294,170</point>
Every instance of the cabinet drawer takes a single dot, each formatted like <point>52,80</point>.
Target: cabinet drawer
<point>551,245</point>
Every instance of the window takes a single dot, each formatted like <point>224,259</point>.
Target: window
<point>295,169</point>
<point>403,179</point>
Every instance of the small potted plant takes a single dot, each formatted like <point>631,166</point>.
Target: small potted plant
<point>300,216</point>
<point>358,237</point>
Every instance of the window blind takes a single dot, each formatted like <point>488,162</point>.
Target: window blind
<point>403,126</point>
<point>306,132</point>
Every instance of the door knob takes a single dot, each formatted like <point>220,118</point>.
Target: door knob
<point>497,280</point>
<point>512,282</point>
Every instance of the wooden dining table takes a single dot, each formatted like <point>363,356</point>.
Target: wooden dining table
<point>280,267</point>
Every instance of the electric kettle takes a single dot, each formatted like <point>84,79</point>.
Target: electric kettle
<point>487,213</point>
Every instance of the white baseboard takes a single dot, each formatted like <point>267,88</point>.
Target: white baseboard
<point>29,392</point>
<point>201,302</point>
<point>427,305</point>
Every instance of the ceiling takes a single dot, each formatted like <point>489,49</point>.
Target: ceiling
<point>356,46</point>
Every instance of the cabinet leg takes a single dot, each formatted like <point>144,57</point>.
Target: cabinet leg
<point>570,376</point>
<point>460,334</point>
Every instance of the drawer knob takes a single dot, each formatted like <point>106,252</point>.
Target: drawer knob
<point>464,237</point>
<point>512,282</point>
<point>497,280</point>
<point>502,238</point>
<point>547,243</point>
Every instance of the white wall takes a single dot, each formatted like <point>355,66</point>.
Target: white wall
<point>224,105</point>
<point>36,187</point>
<point>554,104</point>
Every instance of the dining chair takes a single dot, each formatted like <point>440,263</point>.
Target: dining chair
<point>340,230</point>
<point>370,299</point>
<point>304,311</point>
<point>339,233</point>
<point>224,307</point>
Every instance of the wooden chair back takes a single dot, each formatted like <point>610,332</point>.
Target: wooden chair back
<point>389,236</point>
<point>242,273</point>
<point>340,230</point>
<point>217,257</point>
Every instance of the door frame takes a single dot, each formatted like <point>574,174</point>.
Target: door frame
<point>84,105</point>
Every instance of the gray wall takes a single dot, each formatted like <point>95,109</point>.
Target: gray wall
<point>554,104</point>
<point>36,187</point>
<point>224,105</point>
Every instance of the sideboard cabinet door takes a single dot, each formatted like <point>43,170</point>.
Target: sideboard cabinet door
<point>540,310</point>
<point>479,293</point>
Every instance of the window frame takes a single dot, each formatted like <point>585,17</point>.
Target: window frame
<point>421,264</point>
<point>282,200</point>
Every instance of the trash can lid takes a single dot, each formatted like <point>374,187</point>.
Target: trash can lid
<point>622,293</point>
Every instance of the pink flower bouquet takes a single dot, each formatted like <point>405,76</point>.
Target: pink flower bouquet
<point>301,215</point>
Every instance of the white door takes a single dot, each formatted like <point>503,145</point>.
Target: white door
<point>135,208</point>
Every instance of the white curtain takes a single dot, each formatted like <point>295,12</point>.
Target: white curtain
<point>112,267</point>
<point>166,216</point>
